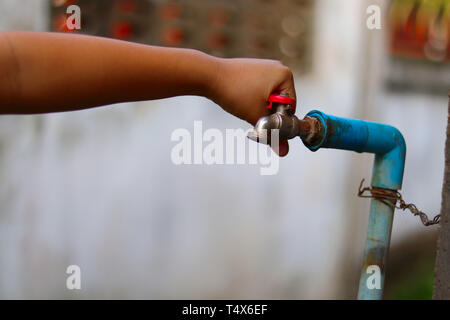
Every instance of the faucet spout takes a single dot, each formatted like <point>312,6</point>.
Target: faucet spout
<point>288,126</point>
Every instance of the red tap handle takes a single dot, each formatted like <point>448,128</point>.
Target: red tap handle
<point>282,99</point>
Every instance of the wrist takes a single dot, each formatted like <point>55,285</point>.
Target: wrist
<point>214,72</point>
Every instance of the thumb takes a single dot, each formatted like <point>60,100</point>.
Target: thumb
<point>283,148</point>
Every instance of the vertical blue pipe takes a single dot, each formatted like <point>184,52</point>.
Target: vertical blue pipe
<point>389,147</point>
<point>376,250</point>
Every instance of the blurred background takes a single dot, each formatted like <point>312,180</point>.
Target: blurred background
<point>98,189</point>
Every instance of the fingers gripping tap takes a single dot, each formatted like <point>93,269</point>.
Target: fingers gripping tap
<point>284,120</point>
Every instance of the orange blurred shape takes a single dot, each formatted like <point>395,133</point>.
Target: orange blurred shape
<point>122,30</point>
<point>219,17</point>
<point>59,3</point>
<point>59,24</point>
<point>171,11</point>
<point>217,40</point>
<point>173,36</point>
<point>126,6</point>
<point>421,33</point>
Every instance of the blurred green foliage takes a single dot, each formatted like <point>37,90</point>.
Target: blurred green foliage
<point>416,283</point>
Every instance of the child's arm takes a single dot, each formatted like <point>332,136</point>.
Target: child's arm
<point>49,72</point>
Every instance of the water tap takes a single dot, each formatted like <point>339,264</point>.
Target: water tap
<point>284,119</point>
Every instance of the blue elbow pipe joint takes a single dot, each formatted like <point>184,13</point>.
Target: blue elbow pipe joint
<point>386,142</point>
<point>389,147</point>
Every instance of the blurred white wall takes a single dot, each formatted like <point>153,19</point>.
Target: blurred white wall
<point>97,188</point>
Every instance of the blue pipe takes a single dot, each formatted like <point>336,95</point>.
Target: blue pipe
<point>389,147</point>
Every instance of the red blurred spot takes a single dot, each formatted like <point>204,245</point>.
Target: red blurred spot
<point>217,40</point>
<point>122,30</point>
<point>173,36</point>
<point>59,24</point>
<point>59,3</point>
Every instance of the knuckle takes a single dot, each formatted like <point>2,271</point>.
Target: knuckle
<point>275,64</point>
<point>287,73</point>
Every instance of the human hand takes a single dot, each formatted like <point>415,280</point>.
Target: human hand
<point>243,86</point>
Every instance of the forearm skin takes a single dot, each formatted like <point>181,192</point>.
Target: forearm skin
<point>51,72</point>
